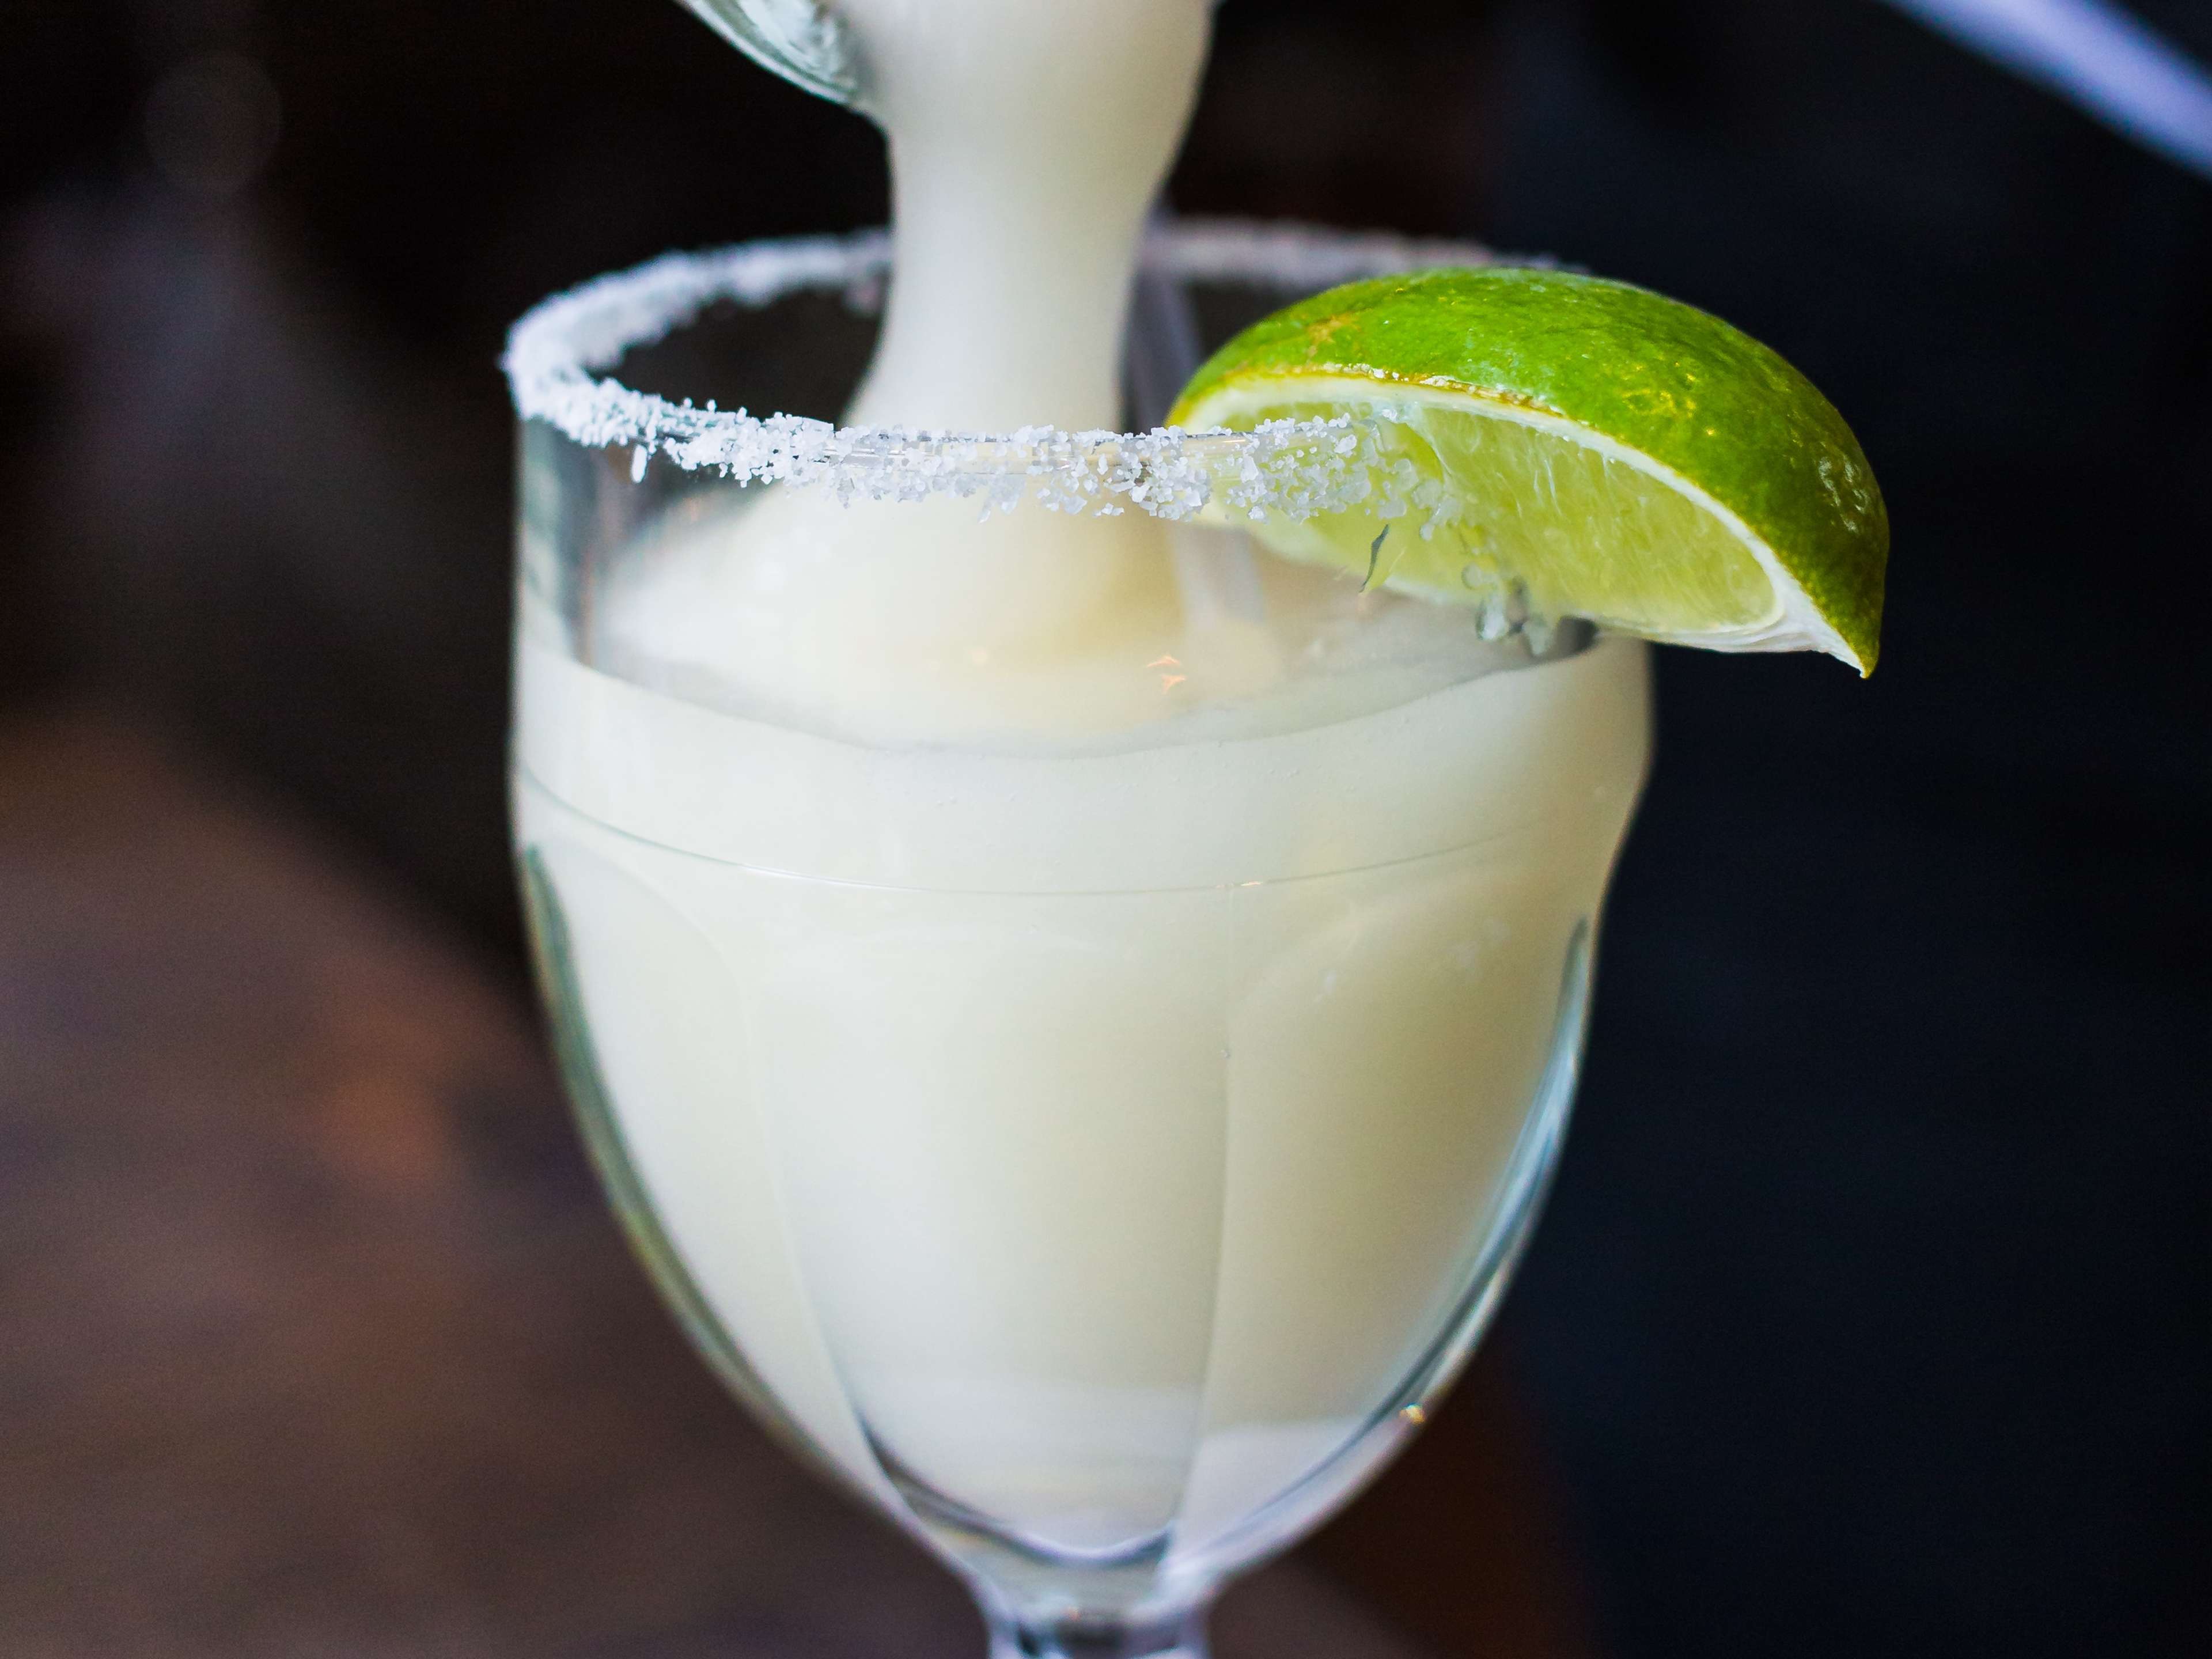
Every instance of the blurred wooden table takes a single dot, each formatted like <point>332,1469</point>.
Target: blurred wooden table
<point>315,1338</point>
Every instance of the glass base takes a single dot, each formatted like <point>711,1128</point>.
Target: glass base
<point>1171,1635</point>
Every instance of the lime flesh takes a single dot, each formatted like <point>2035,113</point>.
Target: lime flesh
<point>1581,446</point>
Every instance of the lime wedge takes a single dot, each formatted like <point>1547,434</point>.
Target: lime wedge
<point>1576,445</point>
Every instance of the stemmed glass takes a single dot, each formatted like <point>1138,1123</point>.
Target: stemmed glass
<point>1097,1151</point>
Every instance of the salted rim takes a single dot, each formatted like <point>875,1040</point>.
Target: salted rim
<point>1297,468</point>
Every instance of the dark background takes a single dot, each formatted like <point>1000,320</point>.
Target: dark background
<point>1870,1316</point>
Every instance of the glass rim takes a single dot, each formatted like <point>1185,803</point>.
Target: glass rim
<point>558,352</point>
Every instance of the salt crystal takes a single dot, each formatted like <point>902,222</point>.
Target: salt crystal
<point>557,354</point>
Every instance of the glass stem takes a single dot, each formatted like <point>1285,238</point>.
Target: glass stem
<point>1167,1636</point>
